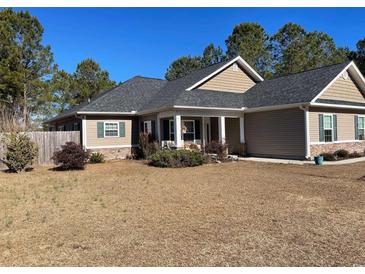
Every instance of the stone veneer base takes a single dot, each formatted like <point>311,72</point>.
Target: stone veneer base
<point>332,147</point>
<point>114,153</point>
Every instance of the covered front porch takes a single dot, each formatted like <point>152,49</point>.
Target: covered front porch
<point>181,129</point>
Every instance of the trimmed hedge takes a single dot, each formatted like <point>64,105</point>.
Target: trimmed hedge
<point>176,158</point>
<point>355,154</point>
<point>328,156</point>
<point>341,154</point>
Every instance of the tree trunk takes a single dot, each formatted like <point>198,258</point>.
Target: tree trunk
<point>25,108</point>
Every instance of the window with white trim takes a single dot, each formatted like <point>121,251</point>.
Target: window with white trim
<point>171,130</point>
<point>188,130</point>
<point>76,126</point>
<point>328,127</point>
<point>111,129</point>
<point>147,127</point>
<point>61,128</point>
<point>360,127</point>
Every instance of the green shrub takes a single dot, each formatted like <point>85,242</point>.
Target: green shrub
<point>341,154</point>
<point>219,148</point>
<point>355,154</point>
<point>96,158</point>
<point>71,156</point>
<point>176,158</point>
<point>328,156</point>
<point>20,151</point>
<point>147,146</point>
<point>194,147</point>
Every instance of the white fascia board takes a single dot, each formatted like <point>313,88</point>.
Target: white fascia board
<point>242,63</point>
<point>278,107</point>
<point>209,108</point>
<point>153,110</point>
<point>336,106</point>
<point>251,69</point>
<point>106,113</point>
<point>359,73</point>
<point>334,79</point>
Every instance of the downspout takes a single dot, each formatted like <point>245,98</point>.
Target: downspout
<point>305,108</point>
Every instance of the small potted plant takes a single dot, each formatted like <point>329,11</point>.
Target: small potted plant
<point>318,160</point>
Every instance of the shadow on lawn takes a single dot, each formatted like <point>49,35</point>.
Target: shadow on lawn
<point>28,169</point>
<point>60,168</point>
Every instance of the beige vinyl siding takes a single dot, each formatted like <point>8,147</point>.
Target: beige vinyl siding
<point>343,90</point>
<point>345,123</point>
<point>233,134</point>
<point>279,133</point>
<point>230,81</point>
<point>92,137</point>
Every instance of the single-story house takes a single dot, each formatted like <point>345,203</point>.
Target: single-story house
<point>296,116</point>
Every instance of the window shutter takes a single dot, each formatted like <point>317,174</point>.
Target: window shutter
<point>121,129</point>
<point>100,129</point>
<point>356,128</point>
<point>197,129</point>
<point>321,129</point>
<point>334,127</point>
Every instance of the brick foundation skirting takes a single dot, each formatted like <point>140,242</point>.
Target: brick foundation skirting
<point>332,147</point>
<point>114,153</point>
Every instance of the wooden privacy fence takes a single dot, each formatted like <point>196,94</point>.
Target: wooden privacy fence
<point>48,142</point>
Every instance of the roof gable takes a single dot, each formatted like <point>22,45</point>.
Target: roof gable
<point>350,89</point>
<point>343,89</point>
<point>300,87</point>
<point>233,78</point>
<point>224,65</point>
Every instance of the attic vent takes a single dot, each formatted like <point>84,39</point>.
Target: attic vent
<point>234,67</point>
<point>345,75</point>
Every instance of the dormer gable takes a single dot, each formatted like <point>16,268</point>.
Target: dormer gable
<point>235,76</point>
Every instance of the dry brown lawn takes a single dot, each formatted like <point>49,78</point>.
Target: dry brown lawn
<point>234,214</point>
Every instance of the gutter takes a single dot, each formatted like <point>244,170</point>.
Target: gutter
<point>106,113</point>
<point>278,107</point>
<point>77,113</point>
<point>210,108</point>
<point>336,106</point>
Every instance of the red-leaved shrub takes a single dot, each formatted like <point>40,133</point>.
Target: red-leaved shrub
<point>219,148</point>
<point>71,156</point>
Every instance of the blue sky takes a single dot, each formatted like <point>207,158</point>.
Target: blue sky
<point>144,41</point>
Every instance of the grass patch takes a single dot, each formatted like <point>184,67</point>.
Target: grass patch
<point>130,214</point>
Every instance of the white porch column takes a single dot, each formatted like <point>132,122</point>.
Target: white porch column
<point>222,129</point>
<point>158,128</point>
<point>83,131</point>
<point>242,130</point>
<point>202,131</point>
<point>177,130</point>
<point>307,136</point>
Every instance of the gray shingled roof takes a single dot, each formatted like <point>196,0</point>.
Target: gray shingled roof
<point>129,96</point>
<point>300,87</point>
<point>148,94</point>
